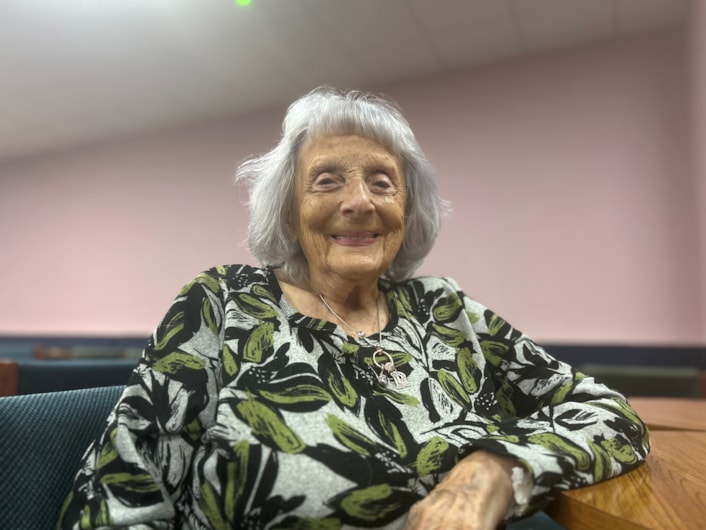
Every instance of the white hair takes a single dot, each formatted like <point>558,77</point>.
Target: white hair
<point>329,111</point>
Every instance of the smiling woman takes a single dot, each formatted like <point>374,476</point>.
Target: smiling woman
<point>348,210</point>
<point>327,387</point>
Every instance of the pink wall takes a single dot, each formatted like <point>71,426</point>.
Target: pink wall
<point>697,56</point>
<point>574,216</point>
<point>575,210</point>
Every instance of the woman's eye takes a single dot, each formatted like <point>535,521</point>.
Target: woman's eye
<point>381,182</point>
<point>325,180</point>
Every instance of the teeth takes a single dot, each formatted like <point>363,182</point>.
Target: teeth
<point>353,237</point>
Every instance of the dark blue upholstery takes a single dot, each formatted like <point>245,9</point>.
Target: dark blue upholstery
<point>538,521</point>
<point>42,439</point>
<point>58,375</point>
<point>649,381</point>
<point>16,350</point>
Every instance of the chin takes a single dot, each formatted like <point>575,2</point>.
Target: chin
<point>358,272</point>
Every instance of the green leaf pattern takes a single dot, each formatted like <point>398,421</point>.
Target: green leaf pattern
<point>246,414</point>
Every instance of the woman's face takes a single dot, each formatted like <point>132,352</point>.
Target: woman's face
<point>349,204</point>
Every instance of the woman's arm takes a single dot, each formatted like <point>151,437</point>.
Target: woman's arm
<point>561,428</point>
<point>567,429</point>
<point>475,495</point>
<point>134,473</point>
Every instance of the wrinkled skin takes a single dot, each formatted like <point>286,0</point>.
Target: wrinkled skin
<point>475,495</point>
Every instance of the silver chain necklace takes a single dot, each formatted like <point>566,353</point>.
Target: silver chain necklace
<point>387,369</point>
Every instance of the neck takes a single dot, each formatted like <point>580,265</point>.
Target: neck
<point>346,293</point>
<point>356,311</point>
<point>360,333</point>
<point>351,298</point>
<point>356,303</point>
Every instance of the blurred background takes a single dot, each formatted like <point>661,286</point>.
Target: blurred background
<point>567,134</point>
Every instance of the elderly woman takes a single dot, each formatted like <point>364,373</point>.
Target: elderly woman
<point>328,388</point>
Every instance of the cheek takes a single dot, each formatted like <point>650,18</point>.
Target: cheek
<point>396,223</point>
<point>309,215</point>
<point>398,238</point>
<point>397,215</point>
<point>310,221</point>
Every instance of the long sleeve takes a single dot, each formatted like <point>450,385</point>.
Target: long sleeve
<point>237,396</point>
<point>133,475</point>
<point>568,430</point>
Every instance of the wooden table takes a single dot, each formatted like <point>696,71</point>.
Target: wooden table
<point>671,413</point>
<point>667,492</point>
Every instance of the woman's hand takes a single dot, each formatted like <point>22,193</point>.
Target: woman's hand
<point>475,495</point>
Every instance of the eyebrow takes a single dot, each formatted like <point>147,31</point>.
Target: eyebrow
<point>336,162</point>
<point>323,165</point>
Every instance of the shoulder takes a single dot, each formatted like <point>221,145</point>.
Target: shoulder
<point>228,278</point>
<point>429,286</point>
<point>432,292</point>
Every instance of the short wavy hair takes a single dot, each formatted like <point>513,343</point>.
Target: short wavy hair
<point>330,111</point>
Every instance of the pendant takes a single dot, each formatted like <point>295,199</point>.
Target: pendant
<point>388,370</point>
<point>399,378</point>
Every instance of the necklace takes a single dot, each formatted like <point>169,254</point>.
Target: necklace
<point>387,369</point>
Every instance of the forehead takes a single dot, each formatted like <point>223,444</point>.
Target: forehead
<point>344,148</point>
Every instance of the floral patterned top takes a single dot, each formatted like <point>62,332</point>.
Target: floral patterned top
<point>244,413</point>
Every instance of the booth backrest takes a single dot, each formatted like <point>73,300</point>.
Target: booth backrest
<point>34,377</point>
<point>648,381</point>
<point>42,439</point>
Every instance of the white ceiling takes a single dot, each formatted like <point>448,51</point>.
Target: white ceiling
<point>79,71</point>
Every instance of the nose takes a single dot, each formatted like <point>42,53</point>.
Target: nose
<point>357,198</point>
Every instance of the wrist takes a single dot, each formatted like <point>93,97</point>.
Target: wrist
<point>483,469</point>
<point>521,491</point>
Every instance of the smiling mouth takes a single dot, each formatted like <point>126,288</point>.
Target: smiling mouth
<point>355,237</point>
